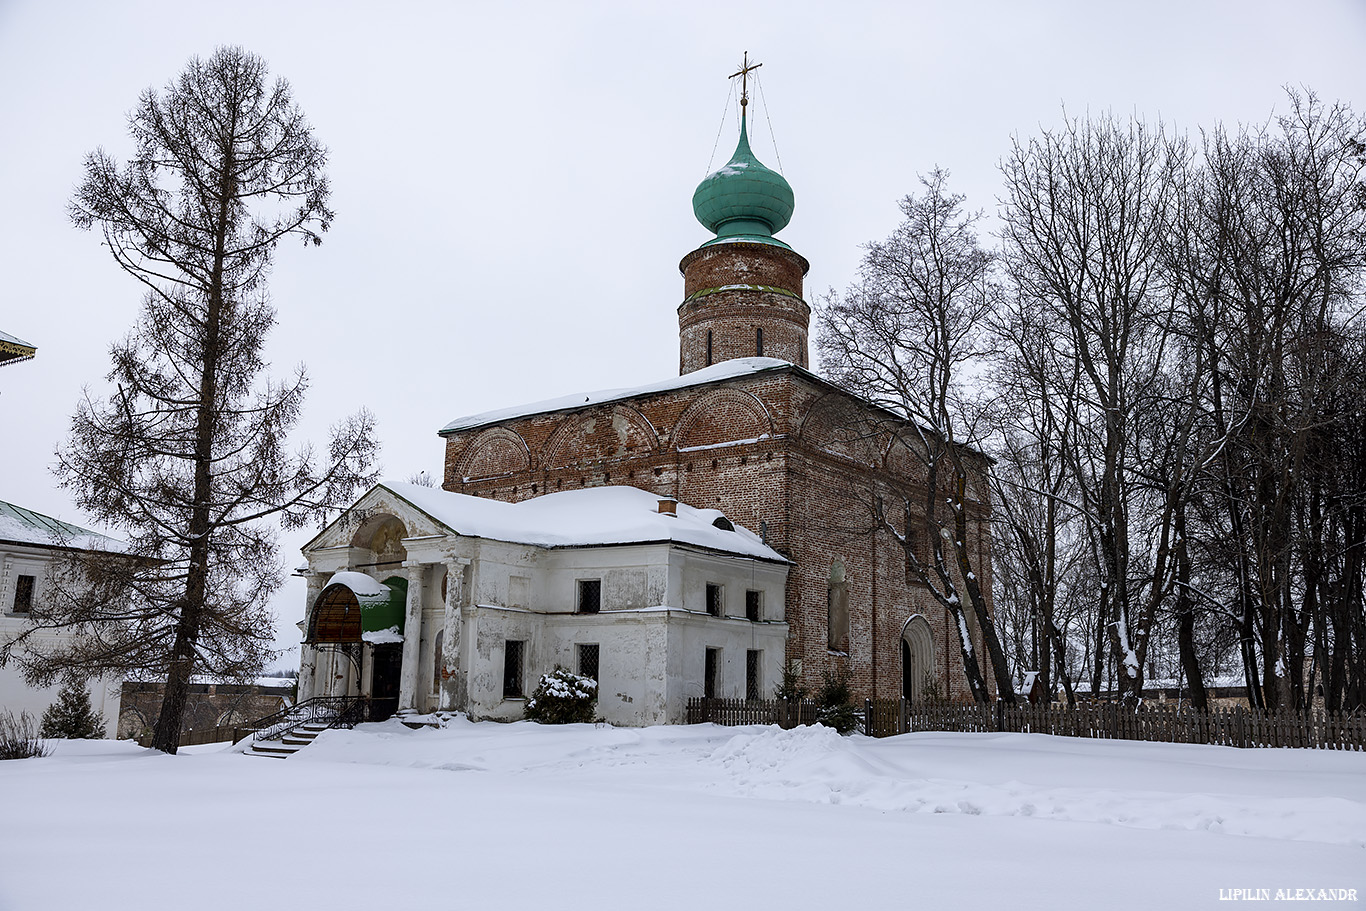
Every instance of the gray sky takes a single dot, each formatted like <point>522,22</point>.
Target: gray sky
<point>513,182</point>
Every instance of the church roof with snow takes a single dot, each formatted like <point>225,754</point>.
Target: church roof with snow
<point>24,526</point>
<point>591,517</point>
<point>743,366</point>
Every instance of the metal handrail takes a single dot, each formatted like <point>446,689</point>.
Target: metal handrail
<point>333,711</point>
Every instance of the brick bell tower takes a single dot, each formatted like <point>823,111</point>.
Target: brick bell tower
<point>742,290</point>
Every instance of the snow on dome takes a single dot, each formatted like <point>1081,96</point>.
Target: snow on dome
<point>383,637</point>
<point>365,588</point>
<point>586,517</point>
<point>725,370</point>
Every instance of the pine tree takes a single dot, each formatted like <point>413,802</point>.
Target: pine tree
<point>71,716</point>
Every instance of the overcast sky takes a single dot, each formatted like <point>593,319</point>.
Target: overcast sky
<point>513,182</point>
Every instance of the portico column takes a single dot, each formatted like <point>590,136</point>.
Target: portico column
<point>308,655</point>
<point>412,637</point>
<point>452,670</point>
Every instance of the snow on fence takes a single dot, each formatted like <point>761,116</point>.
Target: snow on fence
<point>1237,727</point>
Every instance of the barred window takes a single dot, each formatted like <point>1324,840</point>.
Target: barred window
<point>590,596</point>
<point>713,599</point>
<point>588,660</point>
<point>753,660</point>
<point>711,674</point>
<point>23,594</point>
<point>754,601</point>
<point>512,669</point>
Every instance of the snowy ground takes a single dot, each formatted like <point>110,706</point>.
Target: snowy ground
<point>513,816</point>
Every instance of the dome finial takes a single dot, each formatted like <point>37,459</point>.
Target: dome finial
<point>744,200</point>
<point>745,69</point>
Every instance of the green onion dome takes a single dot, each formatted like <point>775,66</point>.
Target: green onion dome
<point>743,198</point>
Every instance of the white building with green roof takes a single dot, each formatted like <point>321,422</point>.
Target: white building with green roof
<point>30,543</point>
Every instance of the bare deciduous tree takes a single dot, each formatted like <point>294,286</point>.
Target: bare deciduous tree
<point>907,337</point>
<point>188,454</point>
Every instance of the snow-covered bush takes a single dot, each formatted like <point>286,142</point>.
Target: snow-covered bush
<point>72,716</point>
<point>834,705</point>
<point>563,697</point>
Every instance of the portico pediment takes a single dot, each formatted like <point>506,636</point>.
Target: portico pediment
<point>380,520</point>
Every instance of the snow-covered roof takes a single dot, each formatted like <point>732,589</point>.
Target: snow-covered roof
<point>24,526</point>
<point>582,518</point>
<point>725,370</point>
<point>365,588</point>
<point>6,337</point>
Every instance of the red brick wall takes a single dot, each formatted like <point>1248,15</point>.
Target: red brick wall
<point>811,488</point>
<point>732,290</point>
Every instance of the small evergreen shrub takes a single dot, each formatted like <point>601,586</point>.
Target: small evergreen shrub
<point>19,737</point>
<point>563,697</point>
<point>71,716</point>
<point>790,689</point>
<point>834,705</point>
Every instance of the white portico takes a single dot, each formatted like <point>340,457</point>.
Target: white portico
<point>423,599</point>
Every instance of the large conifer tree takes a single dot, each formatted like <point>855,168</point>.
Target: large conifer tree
<point>187,455</point>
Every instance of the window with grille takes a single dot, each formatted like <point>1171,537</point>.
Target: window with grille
<point>713,599</point>
<point>711,674</point>
<point>754,601</point>
<point>753,660</point>
<point>590,596</point>
<point>23,594</point>
<point>588,660</point>
<point>512,669</point>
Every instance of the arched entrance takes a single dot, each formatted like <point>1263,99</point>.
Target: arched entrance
<point>917,658</point>
<point>356,630</point>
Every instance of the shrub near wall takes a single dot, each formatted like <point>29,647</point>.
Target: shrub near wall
<point>563,697</point>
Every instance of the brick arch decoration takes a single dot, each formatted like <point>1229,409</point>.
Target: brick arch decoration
<point>722,416</point>
<point>832,424</point>
<point>494,453</point>
<point>600,436</point>
<point>902,463</point>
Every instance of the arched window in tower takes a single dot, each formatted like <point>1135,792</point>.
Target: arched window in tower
<point>758,341</point>
<point>708,347</point>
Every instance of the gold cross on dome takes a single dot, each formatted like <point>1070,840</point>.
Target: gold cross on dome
<point>745,69</point>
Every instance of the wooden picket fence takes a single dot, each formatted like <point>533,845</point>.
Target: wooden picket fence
<point>1236,727</point>
<point>733,712</point>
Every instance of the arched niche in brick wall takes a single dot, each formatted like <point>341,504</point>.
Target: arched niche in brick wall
<point>917,659</point>
<point>722,416</point>
<point>601,436</point>
<point>495,453</point>
<point>902,462</point>
<point>842,426</point>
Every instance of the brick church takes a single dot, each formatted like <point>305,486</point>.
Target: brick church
<point>744,438</point>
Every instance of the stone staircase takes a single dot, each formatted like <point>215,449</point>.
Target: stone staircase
<point>287,745</point>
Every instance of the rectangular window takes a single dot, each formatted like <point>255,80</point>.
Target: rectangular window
<point>711,674</point>
<point>753,660</point>
<point>512,669</point>
<point>588,660</point>
<point>590,596</point>
<point>758,341</point>
<point>754,601</point>
<point>713,599</point>
<point>23,594</point>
